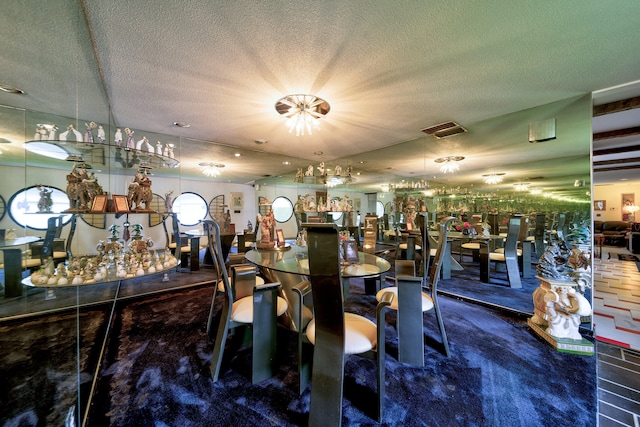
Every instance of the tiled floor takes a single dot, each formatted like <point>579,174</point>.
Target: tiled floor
<point>616,302</point>
<point>617,321</point>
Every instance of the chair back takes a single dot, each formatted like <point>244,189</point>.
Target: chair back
<point>405,267</point>
<point>49,237</point>
<point>441,252</point>
<point>511,242</point>
<point>72,232</point>
<point>524,227</point>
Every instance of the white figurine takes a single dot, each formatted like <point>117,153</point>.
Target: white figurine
<point>52,132</point>
<point>338,170</point>
<point>101,135</point>
<point>321,169</point>
<point>71,130</point>
<point>309,171</point>
<point>117,138</point>
<point>159,148</point>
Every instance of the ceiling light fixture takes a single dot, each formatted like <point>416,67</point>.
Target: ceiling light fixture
<point>449,164</point>
<point>302,112</point>
<point>211,169</point>
<point>493,178</point>
<point>11,89</point>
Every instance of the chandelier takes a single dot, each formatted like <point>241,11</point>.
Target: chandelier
<point>211,169</point>
<point>449,164</point>
<point>302,112</point>
<point>493,178</point>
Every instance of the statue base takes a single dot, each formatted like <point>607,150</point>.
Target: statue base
<point>539,324</point>
<point>563,345</point>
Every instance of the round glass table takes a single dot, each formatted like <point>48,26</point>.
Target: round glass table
<point>291,269</point>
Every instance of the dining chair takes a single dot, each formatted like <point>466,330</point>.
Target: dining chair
<point>49,247</point>
<point>335,333</point>
<point>523,247</point>
<point>411,301</point>
<point>244,305</point>
<point>509,257</point>
<point>180,245</point>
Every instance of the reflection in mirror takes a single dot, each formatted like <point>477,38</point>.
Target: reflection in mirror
<point>31,207</point>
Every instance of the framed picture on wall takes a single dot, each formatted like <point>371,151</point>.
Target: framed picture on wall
<point>599,205</point>
<point>237,201</point>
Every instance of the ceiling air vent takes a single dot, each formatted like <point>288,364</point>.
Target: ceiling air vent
<point>444,130</point>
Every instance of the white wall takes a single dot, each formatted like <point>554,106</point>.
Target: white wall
<point>13,179</point>
<point>612,195</point>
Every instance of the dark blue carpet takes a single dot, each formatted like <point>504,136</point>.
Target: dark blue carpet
<point>156,372</point>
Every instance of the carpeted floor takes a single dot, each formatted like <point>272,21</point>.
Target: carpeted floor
<point>156,372</point>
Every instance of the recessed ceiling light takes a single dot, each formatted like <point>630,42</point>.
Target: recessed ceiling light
<point>237,155</point>
<point>181,124</point>
<point>260,141</point>
<point>318,153</point>
<point>286,163</point>
<point>11,89</point>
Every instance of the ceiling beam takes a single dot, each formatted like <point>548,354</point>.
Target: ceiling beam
<point>617,162</point>
<point>617,168</point>
<point>616,106</point>
<point>618,133</point>
<point>619,150</point>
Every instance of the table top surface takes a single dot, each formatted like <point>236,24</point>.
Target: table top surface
<point>19,241</point>
<point>296,261</point>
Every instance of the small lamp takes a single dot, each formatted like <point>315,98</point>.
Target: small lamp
<point>632,211</point>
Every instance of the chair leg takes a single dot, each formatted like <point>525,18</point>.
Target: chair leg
<point>221,339</point>
<point>264,331</point>
<point>325,406</point>
<point>443,332</point>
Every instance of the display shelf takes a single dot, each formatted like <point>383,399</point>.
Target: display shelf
<point>116,157</point>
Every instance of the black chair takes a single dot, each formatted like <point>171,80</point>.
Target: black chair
<point>246,305</point>
<point>509,256</point>
<point>336,333</point>
<point>411,301</point>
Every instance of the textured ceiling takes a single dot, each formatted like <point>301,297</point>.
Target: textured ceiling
<point>388,69</point>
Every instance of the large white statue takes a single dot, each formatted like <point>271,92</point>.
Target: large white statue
<point>564,307</point>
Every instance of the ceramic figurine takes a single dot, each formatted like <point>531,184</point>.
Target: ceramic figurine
<point>117,138</point>
<point>159,148</point>
<point>88,133</point>
<point>131,143</point>
<point>309,171</point>
<point>101,135</point>
<point>52,132</point>
<point>71,130</point>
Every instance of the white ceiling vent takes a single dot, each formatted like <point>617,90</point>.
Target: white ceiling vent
<point>444,130</point>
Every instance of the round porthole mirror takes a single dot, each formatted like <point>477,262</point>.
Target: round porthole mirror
<point>190,208</point>
<point>282,209</point>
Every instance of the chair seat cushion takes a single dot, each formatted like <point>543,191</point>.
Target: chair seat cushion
<point>494,256</point>
<point>471,245</point>
<point>403,246</point>
<point>360,333</point>
<point>242,309</point>
<point>427,302</point>
<point>501,251</point>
